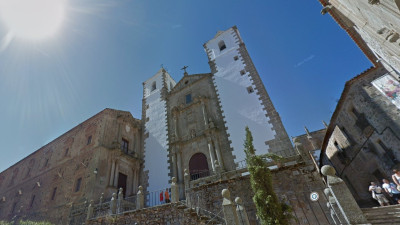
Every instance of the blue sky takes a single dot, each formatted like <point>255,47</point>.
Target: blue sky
<point>104,50</point>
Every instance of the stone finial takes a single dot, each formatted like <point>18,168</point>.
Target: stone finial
<point>121,193</point>
<point>328,170</point>
<point>241,211</point>
<point>174,191</point>
<point>186,178</point>
<point>230,214</point>
<point>113,204</point>
<point>101,198</point>
<point>327,192</point>
<point>238,200</point>
<point>90,210</point>
<point>226,194</point>
<point>140,198</point>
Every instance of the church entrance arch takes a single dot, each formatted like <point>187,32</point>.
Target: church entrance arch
<point>198,166</point>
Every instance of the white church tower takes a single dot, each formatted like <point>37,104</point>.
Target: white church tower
<point>243,98</point>
<point>154,117</point>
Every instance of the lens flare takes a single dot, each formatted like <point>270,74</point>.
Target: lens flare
<point>32,19</point>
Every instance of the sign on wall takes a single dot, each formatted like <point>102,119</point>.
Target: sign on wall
<point>389,87</point>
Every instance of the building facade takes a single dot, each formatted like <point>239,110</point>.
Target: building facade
<point>97,156</point>
<point>363,135</point>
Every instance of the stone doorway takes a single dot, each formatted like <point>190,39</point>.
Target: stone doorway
<point>122,178</point>
<point>198,166</point>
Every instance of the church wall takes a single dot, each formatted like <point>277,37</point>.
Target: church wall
<point>155,132</point>
<point>243,99</point>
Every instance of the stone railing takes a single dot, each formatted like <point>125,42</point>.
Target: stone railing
<point>344,208</point>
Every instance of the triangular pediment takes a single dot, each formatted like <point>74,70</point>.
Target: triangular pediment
<point>187,80</point>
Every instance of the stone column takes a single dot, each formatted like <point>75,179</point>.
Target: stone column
<point>135,180</point>
<point>116,175</point>
<point>219,155</point>
<point>180,175</point>
<point>175,118</point>
<point>140,198</point>
<point>241,211</point>
<point>211,152</point>
<point>346,203</point>
<point>120,198</point>
<point>174,191</point>
<point>174,163</point>
<point>90,211</point>
<point>112,173</point>
<point>187,186</point>
<point>205,117</point>
<point>228,208</point>
<point>113,204</point>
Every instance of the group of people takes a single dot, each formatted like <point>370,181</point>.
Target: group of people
<point>164,196</point>
<point>392,189</point>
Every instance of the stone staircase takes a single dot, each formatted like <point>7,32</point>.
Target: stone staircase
<point>384,215</point>
<point>206,216</point>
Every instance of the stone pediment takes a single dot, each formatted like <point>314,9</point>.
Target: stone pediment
<point>188,80</point>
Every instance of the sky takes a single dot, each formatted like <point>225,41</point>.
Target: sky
<point>104,50</point>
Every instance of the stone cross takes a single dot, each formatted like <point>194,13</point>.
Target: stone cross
<point>345,201</point>
<point>174,191</point>
<point>140,198</point>
<point>241,211</point>
<point>184,69</point>
<point>231,217</point>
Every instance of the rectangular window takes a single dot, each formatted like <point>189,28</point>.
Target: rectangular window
<point>242,72</point>
<point>89,140</point>
<point>46,163</point>
<point>188,98</point>
<point>250,89</point>
<point>236,58</point>
<point>78,184</point>
<point>125,145</point>
<point>54,193</point>
<point>66,152</point>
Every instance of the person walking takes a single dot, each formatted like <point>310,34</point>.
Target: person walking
<point>396,178</point>
<point>167,196</point>
<point>161,197</point>
<point>391,189</point>
<point>378,195</point>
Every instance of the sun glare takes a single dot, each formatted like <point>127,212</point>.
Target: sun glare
<point>32,19</point>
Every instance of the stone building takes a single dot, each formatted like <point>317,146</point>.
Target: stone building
<point>97,156</point>
<point>196,124</point>
<point>362,139</point>
<point>203,117</point>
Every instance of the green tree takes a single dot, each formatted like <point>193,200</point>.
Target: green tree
<point>270,210</point>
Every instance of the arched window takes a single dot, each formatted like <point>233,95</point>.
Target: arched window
<point>153,86</point>
<point>198,166</point>
<point>221,45</point>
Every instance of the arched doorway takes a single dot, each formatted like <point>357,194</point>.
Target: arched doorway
<point>198,166</point>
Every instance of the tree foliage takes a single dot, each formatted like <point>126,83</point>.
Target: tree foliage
<point>25,222</point>
<point>270,210</point>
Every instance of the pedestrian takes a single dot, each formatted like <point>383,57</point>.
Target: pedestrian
<point>378,195</point>
<point>167,196</point>
<point>396,178</point>
<point>391,189</point>
<point>161,197</point>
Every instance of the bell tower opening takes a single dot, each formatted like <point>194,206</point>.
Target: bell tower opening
<point>198,166</point>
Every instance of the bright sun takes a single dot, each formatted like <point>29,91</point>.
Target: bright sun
<point>33,19</point>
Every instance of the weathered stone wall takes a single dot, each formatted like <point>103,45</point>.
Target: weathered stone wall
<point>377,24</point>
<point>292,184</point>
<point>44,185</point>
<point>172,213</point>
<point>363,140</point>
